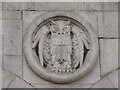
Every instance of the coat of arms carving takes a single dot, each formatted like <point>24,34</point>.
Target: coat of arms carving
<point>60,47</point>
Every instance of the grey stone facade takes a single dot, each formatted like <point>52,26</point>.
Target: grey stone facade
<point>17,16</point>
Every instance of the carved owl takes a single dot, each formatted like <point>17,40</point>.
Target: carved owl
<point>61,46</point>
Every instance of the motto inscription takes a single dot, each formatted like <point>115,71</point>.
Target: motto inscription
<point>60,47</point>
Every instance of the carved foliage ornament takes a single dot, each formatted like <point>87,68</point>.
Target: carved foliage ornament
<point>60,47</point>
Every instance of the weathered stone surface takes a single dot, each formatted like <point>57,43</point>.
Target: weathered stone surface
<point>9,5</point>
<point>104,83</point>
<point>1,32</point>
<point>30,76</point>
<point>91,6</point>
<point>13,64</point>
<point>105,22</point>
<point>0,14</point>
<point>27,5</point>
<point>100,20</point>
<point>75,86</point>
<point>106,6</point>
<point>1,49</point>
<point>12,37</point>
<point>1,78</point>
<point>7,78</point>
<point>11,15</point>
<point>110,6</point>
<point>43,6</point>
<point>51,6</point>
<point>60,25</point>
<point>90,17</point>
<point>113,76</point>
<point>0,5</point>
<point>108,55</point>
<point>19,83</point>
<point>28,17</point>
<point>88,80</point>
<point>110,24</point>
<point>93,76</point>
<point>65,6</point>
<point>61,86</point>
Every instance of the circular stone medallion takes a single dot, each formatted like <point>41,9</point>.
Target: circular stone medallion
<point>60,47</point>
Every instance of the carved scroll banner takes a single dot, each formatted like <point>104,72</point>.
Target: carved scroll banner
<point>60,47</point>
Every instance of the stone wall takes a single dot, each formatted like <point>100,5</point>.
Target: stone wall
<point>17,16</point>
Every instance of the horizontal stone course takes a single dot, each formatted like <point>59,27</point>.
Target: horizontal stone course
<point>90,6</point>
<point>111,6</point>
<point>11,15</point>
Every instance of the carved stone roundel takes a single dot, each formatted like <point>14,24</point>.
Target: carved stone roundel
<point>60,47</point>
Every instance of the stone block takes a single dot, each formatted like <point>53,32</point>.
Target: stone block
<point>0,78</point>
<point>11,15</point>
<point>1,27</point>
<point>91,6</point>
<point>28,17</point>
<point>100,20</point>
<point>12,37</point>
<point>0,61</point>
<point>65,6</point>
<point>61,86</point>
<point>108,24</point>
<point>113,76</point>
<point>110,6</point>
<point>0,5</point>
<point>111,24</point>
<point>108,55</point>
<point>10,5</point>
<point>19,83</point>
<point>26,6</point>
<point>0,14</point>
<point>30,76</point>
<point>51,6</point>
<point>1,49</point>
<point>90,17</point>
<point>7,78</point>
<point>103,83</point>
<point>13,64</point>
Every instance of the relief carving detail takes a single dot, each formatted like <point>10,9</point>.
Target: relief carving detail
<point>61,46</point>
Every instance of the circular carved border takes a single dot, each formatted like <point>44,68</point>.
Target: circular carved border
<point>36,67</point>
